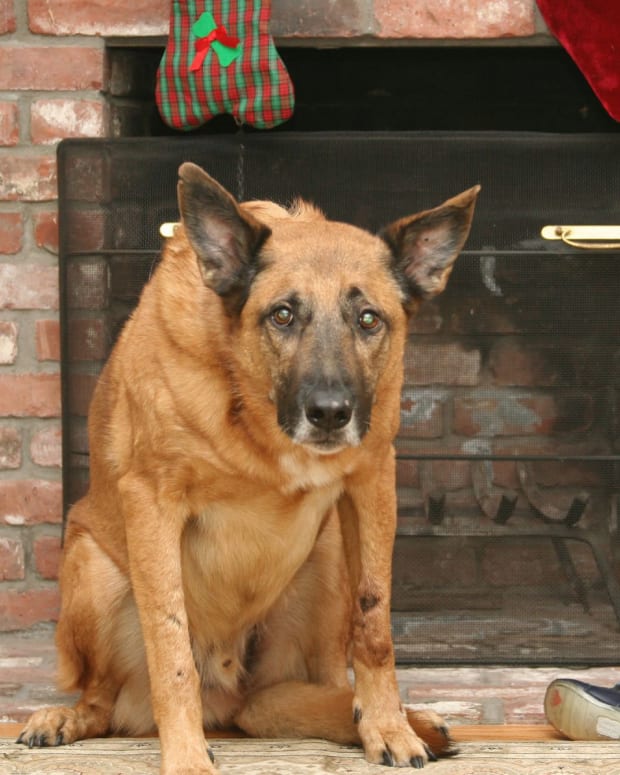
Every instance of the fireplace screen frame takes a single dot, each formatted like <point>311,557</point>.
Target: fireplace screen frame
<point>108,227</point>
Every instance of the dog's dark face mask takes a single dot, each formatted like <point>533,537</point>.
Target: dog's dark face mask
<point>329,301</point>
<point>329,346</point>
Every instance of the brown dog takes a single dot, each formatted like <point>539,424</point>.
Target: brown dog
<point>242,482</point>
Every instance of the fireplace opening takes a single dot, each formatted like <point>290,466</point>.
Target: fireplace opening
<point>399,88</point>
<point>508,468</point>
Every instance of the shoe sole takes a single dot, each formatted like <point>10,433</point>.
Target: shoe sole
<point>578,715</point>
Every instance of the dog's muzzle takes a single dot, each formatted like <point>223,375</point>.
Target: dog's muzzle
<point>329,409</point>
<point>324,417</point>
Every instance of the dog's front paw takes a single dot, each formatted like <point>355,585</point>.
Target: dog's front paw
<point>203,767</point>
<point>49,727</point>
<point>391,741</point>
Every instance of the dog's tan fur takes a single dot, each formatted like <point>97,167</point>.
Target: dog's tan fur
<point>218,542</point>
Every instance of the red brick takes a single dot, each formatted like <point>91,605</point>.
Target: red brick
<point>7,17</point>
<point>54,119</point>
<point>9,123</point>
<point>8,342</point>
<point>575,413</point>
<point>89,174</point>
<point>99,17</point>
<point>47,551</point>
<point>46,447</point>
<point>30,502</point>
<point>505,474</point>
<point>81,389</point>
<point>26,286</point>
<point>518,363</point>
<point>52,68</point>
<point>11,232</point>
<point>410,498</point>
<point>428,320</point>
<point>46,230</point>
<point>504,414</point>
<point>447,474</point>
<point>443,364</point>
<point>528,563</point>
<point>29,395</point>
<point>321,18</point>
<point>27,178</point>
<point>88,339</point>
<point>407,473</point>
<point>421,413</point>
<point>88,285</point>
<point>569,474</point>
<point>11,559</point>
<point>454,18</point>
<point>86,230</point>
<point>48,340</point>
<point>10,448</point>
<point>423,563</point>
<point>22,610</point>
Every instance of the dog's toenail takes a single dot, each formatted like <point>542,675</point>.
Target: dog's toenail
<point>388,759</point>
<point>430,754</point>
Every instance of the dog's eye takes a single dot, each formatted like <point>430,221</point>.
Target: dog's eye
<point>369,320</point>
<point>282,316</point>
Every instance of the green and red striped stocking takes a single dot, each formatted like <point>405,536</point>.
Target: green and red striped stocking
<point>221,58</point>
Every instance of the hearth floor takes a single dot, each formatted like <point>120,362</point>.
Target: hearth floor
<point>462,695</point>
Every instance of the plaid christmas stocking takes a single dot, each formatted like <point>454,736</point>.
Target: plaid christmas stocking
<point>220,58</point>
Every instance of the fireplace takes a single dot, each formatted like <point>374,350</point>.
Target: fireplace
<point>508,468</point>
<point>507,548</point>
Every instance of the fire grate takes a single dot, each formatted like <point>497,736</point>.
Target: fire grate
<point>508,476</point>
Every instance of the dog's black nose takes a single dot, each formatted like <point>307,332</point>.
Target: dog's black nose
<point>329,408</point>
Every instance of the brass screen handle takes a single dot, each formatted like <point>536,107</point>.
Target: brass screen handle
<point>166,230</point>
<point>586,237</point>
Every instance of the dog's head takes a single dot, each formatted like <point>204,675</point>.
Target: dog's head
<point>319,309</point>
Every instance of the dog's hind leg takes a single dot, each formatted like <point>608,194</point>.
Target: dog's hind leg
<point>299,709</point>
<point>93,590</point>
<point>300,682</point>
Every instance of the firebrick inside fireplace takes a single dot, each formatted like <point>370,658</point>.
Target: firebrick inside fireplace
<point>508,468</point>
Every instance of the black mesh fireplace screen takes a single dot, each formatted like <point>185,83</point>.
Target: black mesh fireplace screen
<point>507,548</point>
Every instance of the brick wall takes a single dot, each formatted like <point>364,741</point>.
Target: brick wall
<point>53,81</point>
<point>49,89</point>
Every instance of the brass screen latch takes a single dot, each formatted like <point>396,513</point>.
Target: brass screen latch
<point>587,237</point>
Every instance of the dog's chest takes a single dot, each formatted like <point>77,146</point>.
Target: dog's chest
<point>307,473</point>
<point>240,555</point>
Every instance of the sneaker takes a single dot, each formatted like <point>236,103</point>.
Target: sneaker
<point>581,711</point>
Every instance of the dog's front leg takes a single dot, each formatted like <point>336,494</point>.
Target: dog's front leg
<point>154,528</point>
<point>368,517</point>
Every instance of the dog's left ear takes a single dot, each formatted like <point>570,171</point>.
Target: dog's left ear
<point>425,246</point>
<point>226,240</point>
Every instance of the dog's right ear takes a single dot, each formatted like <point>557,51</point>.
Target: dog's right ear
<point>225,239</point>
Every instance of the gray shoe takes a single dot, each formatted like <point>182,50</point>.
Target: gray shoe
<point>582,711</point>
